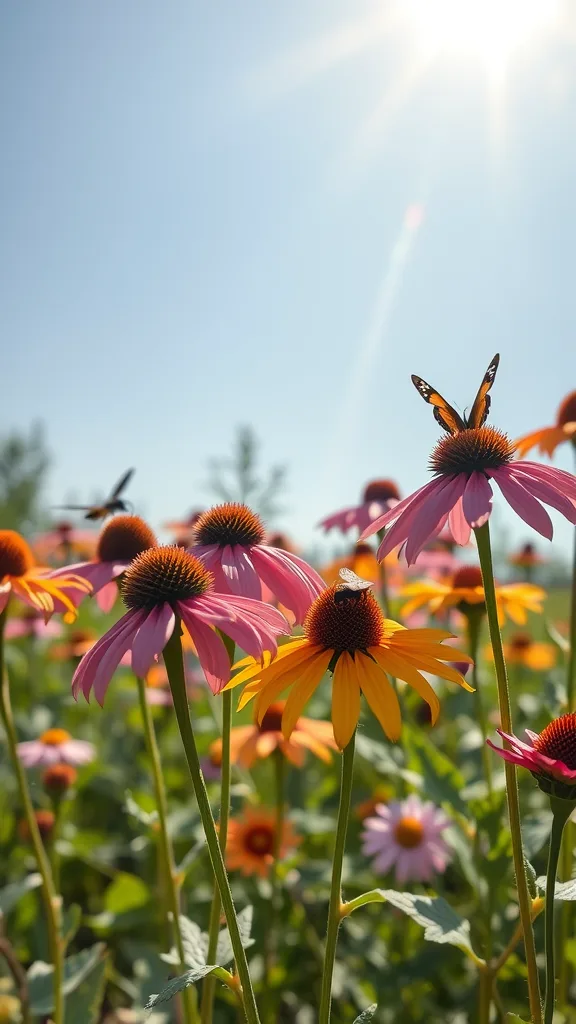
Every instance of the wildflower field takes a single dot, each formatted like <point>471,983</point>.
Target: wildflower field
<point>237,786</point>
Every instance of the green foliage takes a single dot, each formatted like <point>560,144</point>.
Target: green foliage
<point>23,465</point>
<point>238,478</point>
<point>440,922</point>
<point>367,1014</point>
<point>13,892</point>
<point>76,969</point>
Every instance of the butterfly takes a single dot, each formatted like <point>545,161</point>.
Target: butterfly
<point>114,503</point>
<point>353,586</point>
<point>446,416</point>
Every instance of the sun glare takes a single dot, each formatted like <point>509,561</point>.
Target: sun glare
<point>490,30</point>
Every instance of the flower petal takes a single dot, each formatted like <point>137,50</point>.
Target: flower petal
<point>345,700</point>
<point>523,502</point>
<point>380,695</point>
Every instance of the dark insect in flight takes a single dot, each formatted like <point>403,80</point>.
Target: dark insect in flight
<point>352,587</point>
<point>114,503</point>
<point>446,416</point>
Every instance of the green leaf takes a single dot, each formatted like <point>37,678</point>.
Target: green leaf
<point>179,984</point>
<point>76,969</point>
<point>530,878</point>
<point>127,892</point>
<point>195,943</point>
<point>85,1003</point>
<point>366,1014</point>
<point>11,894</point>
<point>435,915</point>
<point>513,1018</point>
<point>224,953</point>
<point>536,832</point>
<point>146,818</point>
<point>442,780</point>
<point>373,896</point>
<point>382,760</point>
<point>562,890</point>
<point>71,922</point>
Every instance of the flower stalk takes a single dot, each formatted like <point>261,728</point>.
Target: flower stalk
<point>335,906</point>
<point>485,556</point>
<point>52,901</point>
<point>175,669</point>
<point>189,997</point>
<point>561,811</point>
<point>474,617</point>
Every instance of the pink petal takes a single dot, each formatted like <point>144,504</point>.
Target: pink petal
<point>5,591</point>
<point>557,478</point>
<point>546,492</point>
<point>477,499</point>
<point>395,512</point>
<point>459,526</point>
<point>401,529</point>
<point>212,654</point>
<point>427,522</point>
<point>294,583</point>
<point>241,576</point>
<point>151,639</point>
<point>342,520</point>
<point>106,597</point>
<point>124,629</point>
<point>77,752</point>
<point>523,503</point>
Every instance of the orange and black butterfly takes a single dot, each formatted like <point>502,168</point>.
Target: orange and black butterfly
<point>446,416</point>
<point>114,503</point>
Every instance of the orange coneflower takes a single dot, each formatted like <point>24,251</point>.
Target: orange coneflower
<point>547,439</point>
<point>76,645</point>
<point>19,575</point>
<point>251,842</point>
<point>521,649</point>
<point>250,742</point>
<point>466,589</point>
<point>346,633</point>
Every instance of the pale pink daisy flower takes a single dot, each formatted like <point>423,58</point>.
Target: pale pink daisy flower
<point>55,746</point>
<point>378,498</point>
<point>119,542</point>
<point>160,587</point>
<point>230,541</point>
<point>466,464</point>
<point>407,834</point>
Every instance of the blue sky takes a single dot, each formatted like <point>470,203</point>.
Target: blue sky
<point>198,229</point>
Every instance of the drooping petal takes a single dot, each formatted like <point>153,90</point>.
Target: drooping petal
<point>294,583</point>
<point>394,513</point>
<point>123,631</point>
<point>477,500</point>
<point>558,478</point>
<point>241,576</point>
<point>401,669</point>
<point>212,654</point>
<point>523,502</point>
<point>345,700</point>
<point>151,639</point>
<point>270,688</point>
<point>546,492</point>
<point>458,523</point>
<point>302,691</point>
<point>380,695</point>
<point>106,597</point>
<point>400,531</point>
<point>427,522</point>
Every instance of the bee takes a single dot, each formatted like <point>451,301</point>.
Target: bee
<point>352,588</point>
<point>114,503</point>
<point>446,416</point>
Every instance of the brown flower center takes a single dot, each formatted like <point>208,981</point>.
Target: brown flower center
<point>162,575</point>
<point>55,737</point>
<point>16,558</point>
<point>520,641</point>
<point>59,777</point>
<point>272,721</point>
<point>64,528</point>
<point>567,411</point>
<point>231,524</point>
<point>409,832</point>
<point>259,840</point>
<point>467,576</point>
<point>558,740</point>
<point>471,451</point>
<point>362,548</point>
<point>380,490</point>
<point>279,540</point>
<point>342,620</point>
<point>123,538</point>
<point>45,821</point>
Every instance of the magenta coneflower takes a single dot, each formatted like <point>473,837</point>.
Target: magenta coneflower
<point>465,464</point>
<point>29,624</point>
<point>379,497</point>
<point>55,746</point>
<point>230,541</point>
<point>408,835</point>
<point>119,542</point>
<point>162,585</point>
<point>549,755</point>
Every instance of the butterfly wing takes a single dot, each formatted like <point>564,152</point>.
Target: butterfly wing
<point>444,414</point>
<point>122,483</point>
<point>354,582</point>
<point>481,406</point>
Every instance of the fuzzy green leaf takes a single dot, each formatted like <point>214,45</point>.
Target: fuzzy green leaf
<point>85,1003</point>
<point>367,1014</point>
<point>179,984</point>
<point>435,915</point>
<point>76,969</point>
<point>562,891</point>
<point>11,894</point>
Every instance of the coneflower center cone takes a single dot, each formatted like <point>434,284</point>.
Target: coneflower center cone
<point>16,558</point>
<point>471,451</point>
<point>123,538</point>
<point>163,575</point>
<point>558,740</point>
<point>468,576</point>
<point>409,832</point>
<point>272,721</point>
<point>342,620</point>
<point>229,524</point>
<point>259,840</point>
<point>55,737</point>
<point>381,490</point>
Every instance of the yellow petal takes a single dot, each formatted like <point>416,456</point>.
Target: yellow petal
<point>443,671</point>
<point>267,669</point>
<point>345,700</point>
<point>303,690</point>
<point>380,695</point>
<point>399,667</point>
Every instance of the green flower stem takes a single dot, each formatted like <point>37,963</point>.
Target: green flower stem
<point>485,555</point>
<point>270,935</point>
<point>175,669</point>
<point>485,983</point>
<point>561,811</point>
<point>189,997</point>
<point>335,907</point>
<point>209,983</point>
<point>52,901</point>
<point>566,910</point>
<point>384,596</point>
<point>474,629</point>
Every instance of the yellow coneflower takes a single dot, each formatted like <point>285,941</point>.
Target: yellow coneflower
<point>466,589</point>
<point>19,575</point>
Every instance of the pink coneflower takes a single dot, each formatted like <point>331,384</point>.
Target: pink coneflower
<point>465,464</point>
<point>162,585</point>
<point>63,541</point>
<point>379,497</point>
<point>55,746</point>
<point>119,542</point>
<point>408,835</point>
<point>182,530</point>
<point>31,624</point>
<point>550,755</point>
<point>230,541</point>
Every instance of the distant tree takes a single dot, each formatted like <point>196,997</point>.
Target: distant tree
<point>238,477</point>
<point>23,464</point>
